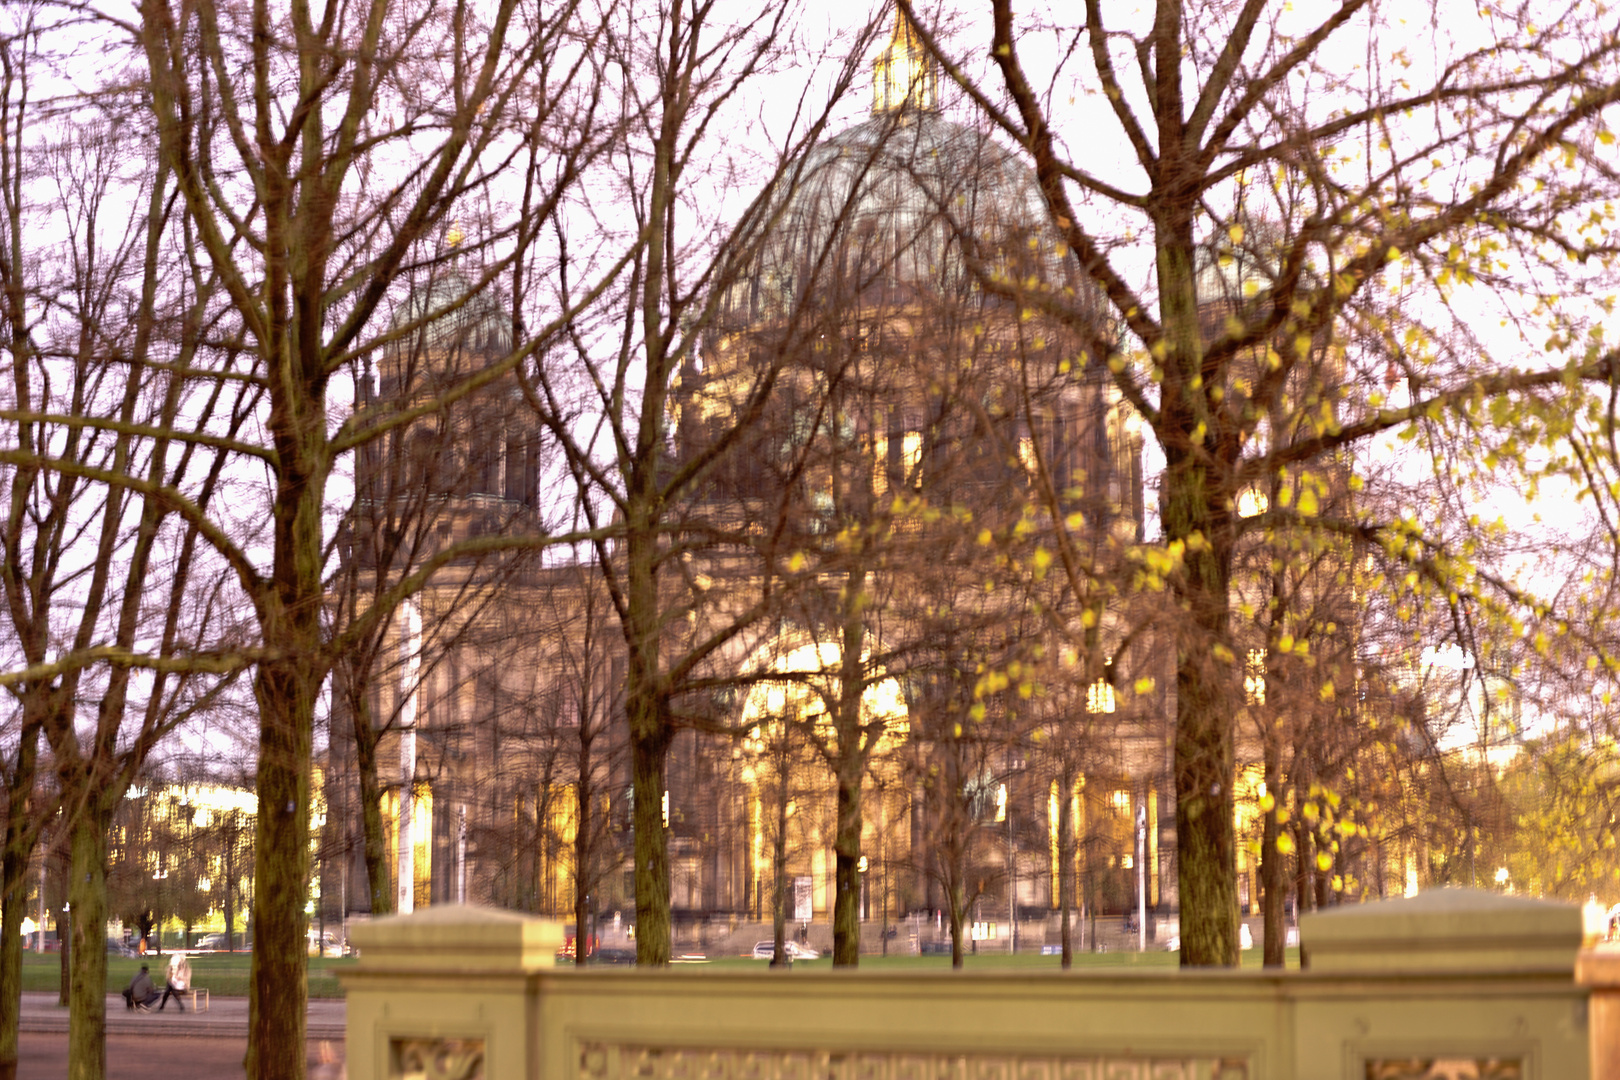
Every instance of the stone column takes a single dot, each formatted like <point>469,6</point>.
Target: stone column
<point>448,992</point>
<point>1598,969</point>
<point>1451,982</point>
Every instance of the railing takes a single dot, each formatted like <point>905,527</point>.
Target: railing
<point>1449,985</point>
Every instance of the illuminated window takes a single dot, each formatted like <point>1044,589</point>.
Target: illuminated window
<point>1122,801</point>
<point>1026,454</point>
<point>910,456</point>
<point>1100,697</point>
<point>1254,677</point>
<point>1252,503</point>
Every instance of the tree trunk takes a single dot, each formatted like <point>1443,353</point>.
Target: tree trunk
<point>852,751</point>
<point>19,845</point>
<point>779,867</point>
<point>1304,865</point>
<point>1198,518</point>
<point>954,895</point>
<point>87,892</point>
<point>1323,878</point>
<point>1206,842</point>
<point>584,843</point>
<point>1065,825</point>
<point>1273,863</point>
<point>232,838</point>
<point>278,988</point>
<point>1196,515</point>
<point>649,751</point>
<point>646,712</point>
<point>373,836</point>
<point>11,950</point>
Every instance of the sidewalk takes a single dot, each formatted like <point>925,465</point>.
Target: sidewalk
<point>226,1017</point>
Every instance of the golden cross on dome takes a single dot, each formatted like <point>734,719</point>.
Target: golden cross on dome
<point>903,76</point>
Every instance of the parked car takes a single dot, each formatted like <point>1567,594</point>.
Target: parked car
<point>119,948</point>
<point>1245,939</point>
<point>215,941</point>
<point>764,950</point>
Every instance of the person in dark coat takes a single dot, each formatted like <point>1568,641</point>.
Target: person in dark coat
<point>140,993</point>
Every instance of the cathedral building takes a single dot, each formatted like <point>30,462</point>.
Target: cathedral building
<point>916,439</point>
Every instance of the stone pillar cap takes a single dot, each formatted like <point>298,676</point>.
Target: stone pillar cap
<point>462,937</point>
<point>1443,930</point>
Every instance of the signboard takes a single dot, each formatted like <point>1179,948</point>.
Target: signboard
<point>803,909</point>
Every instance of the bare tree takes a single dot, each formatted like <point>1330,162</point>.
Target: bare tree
<point>97,386</point>
<point>311,238</point>
<point>609,406</point>
<point>1211,111</point>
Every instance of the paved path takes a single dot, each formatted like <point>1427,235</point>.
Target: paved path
<point>170,1045</point>
<point>226,1017</point>
<point>135,1057</point>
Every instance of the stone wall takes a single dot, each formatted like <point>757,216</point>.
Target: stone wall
<point>1452,984</point>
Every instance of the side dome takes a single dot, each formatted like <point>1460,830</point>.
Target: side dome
<point>892,211</point>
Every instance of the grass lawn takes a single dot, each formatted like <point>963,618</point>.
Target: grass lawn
<point>989,962</point>
<point>224,974</point>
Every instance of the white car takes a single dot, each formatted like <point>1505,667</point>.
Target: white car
<point>767,949</point>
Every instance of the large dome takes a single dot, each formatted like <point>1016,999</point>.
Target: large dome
<point>448,313</point>
<point>893,209</point>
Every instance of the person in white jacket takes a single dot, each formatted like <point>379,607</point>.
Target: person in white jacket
<point>178,982</point>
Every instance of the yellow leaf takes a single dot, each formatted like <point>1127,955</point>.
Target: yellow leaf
<point>1144,686</point>
<point>1285,843</point>
<point>1236,233</point>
